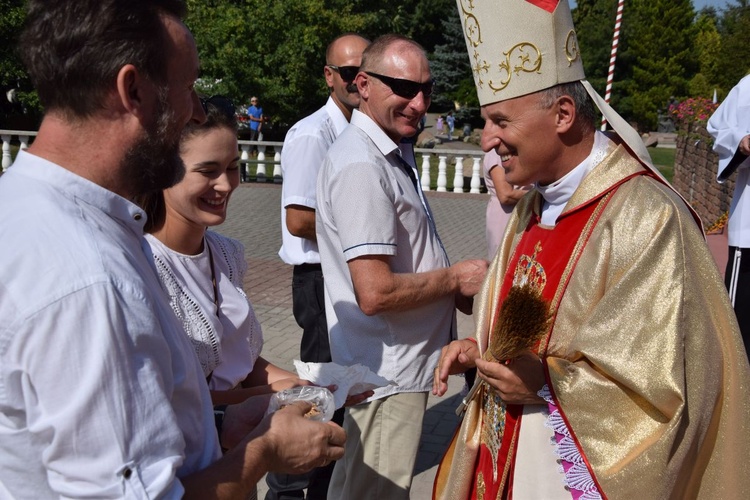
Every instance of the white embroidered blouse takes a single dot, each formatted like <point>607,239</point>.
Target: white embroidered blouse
<point>228,343</point>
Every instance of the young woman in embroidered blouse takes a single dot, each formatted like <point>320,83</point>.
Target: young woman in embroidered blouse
<point>203,271</point>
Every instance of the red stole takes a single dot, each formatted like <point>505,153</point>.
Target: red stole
<point>552,254</point>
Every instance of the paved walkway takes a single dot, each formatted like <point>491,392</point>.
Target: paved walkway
<point>254,220</point>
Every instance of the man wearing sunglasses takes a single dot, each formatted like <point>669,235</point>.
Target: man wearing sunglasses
<point>305,146</point>
<point>390,292</point>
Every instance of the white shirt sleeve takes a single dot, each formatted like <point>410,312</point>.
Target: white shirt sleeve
<point>362,204</point>
<point>300,163</point>
<point>731,122</point>
<point>96,403</point>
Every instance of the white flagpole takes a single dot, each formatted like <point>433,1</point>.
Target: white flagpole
<point>613,57</point>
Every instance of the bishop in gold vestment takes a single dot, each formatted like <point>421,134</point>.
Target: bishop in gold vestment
<point>644,360</point>
<point>639,388</point>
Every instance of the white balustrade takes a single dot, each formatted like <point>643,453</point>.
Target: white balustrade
<point>442,180</point>
<point>458,175</point>
<point>425,179</point>
<point>7,161</point>
<point>264,157</point>
<point>261,172</point>
<point>476,182</point>
<point>277,165</point>
<point>244,157</point>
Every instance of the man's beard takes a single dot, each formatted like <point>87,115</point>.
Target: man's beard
<point>153,163</point>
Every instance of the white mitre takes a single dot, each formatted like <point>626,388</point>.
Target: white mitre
<point>517,47</point>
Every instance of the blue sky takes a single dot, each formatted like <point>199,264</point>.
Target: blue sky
<point>719,4</point>
<point>698,4</point>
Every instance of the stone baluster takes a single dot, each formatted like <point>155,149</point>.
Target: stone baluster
<point>458,176</point>
<point>244,157</point>
<point>24,141</point>
<point>425,179</point>
<point>261,173</point>
<point>277,165</point>
<point>6,162</point>
<point>442,181</point>
<point>476,182</point>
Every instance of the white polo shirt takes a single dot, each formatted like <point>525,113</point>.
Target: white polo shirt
<point>367,205</point>
<point>305,147</point>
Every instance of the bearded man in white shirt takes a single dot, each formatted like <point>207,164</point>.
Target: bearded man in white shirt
<point>101,395</point>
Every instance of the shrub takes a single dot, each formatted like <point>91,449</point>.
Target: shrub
<point>693,110</point>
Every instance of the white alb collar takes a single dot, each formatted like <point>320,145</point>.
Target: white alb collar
<point>557,194</point>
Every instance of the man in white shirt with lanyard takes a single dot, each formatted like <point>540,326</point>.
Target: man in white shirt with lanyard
<point>305,146</point>
<point>390,291</point>
<point>101,394</point>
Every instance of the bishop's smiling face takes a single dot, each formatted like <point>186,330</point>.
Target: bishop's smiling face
<point>211,175</point>
<point>524,134</point>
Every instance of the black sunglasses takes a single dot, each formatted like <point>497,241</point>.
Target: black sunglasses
<point>221,103</point>
<point>348,73</point>
<point>406,88</point>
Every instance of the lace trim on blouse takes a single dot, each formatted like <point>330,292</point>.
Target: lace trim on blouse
<point>197,325</point>
<point>576,474</point>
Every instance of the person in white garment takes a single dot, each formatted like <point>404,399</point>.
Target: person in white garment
<point>101,393</point>
<point>203,271</point>
<point>390,291</point>
<point>305,146</point>
<point>730,128</point>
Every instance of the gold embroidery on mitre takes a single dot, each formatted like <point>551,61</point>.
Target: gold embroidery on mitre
<point>530,272</point>
<point>571,47</point>
<point>481,487</point>
<point>478,67</point>
<point>473,32</point>
<point>471,24</point>
<point>530,61</point>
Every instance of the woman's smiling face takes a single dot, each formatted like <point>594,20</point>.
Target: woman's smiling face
<point>211,175</point>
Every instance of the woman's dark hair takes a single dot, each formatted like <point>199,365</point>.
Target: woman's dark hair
<point>73,49</point>
<point>219,114</point>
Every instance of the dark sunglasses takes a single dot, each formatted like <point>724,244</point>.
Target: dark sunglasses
<point>221,103</point>
<point>405,88</point>
<point>348,73</point>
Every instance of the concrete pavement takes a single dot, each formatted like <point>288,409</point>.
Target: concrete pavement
<point>254,219</point>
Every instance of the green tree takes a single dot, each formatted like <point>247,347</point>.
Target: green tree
<point>594,21</point>
<point>24,111</point>
<point>451,70</point>
<point>734,29</point>
<point>661,39</point>
<point>595,24</point>
<point>274,49</point>
<point>708,50</point>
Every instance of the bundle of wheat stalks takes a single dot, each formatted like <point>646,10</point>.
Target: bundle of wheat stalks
<point>524,319</point>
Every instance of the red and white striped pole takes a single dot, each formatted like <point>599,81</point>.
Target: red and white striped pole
<point>613,57</point>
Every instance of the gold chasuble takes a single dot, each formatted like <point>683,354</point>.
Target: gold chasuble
<point>643,357</point>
